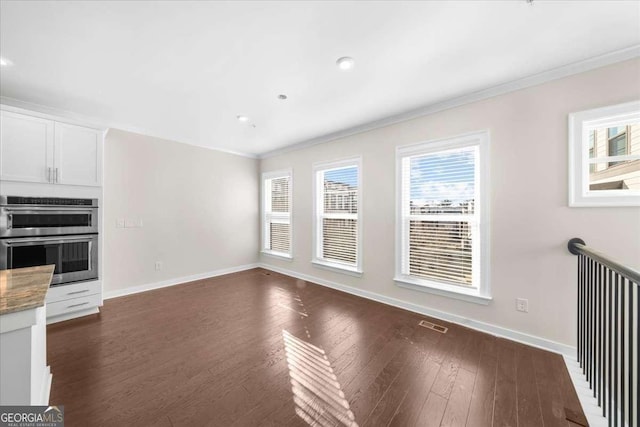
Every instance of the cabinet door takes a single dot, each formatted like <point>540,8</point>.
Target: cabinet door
<point>78,155</point>
<point>26,148</point>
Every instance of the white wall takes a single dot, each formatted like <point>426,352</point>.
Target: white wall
<point>530,222</point>
<point>198,208</point>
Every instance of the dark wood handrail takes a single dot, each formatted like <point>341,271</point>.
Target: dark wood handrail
<point>577,246</point>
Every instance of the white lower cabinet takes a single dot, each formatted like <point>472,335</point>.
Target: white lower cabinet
<point>73,305</point>
<point>72,300</point>
<point>73,290</point>
<point>26,377</point>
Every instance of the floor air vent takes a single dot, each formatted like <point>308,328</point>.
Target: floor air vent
<point>433,326</point>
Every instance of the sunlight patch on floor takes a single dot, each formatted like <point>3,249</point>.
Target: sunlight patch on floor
<point>319,399</point>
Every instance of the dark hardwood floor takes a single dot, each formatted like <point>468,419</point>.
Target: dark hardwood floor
<point>261,349</point>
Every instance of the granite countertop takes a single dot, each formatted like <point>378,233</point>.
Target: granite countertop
<point>24,288</point>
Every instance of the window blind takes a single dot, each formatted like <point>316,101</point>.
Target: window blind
<point>277,221</point>
<point>440,217</point>
<point>338,216</point>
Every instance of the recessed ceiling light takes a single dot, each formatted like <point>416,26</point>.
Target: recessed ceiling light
<point>4,62</point>
<point>345,63</point>
<point>282,96</point>
<point>243,119</point>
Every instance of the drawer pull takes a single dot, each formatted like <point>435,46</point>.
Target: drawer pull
<point>78,305</point>
<point>78,292</point>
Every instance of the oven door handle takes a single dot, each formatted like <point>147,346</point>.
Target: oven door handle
<point>90,261</point>
<point>25,240</point>
<point>62,210</point>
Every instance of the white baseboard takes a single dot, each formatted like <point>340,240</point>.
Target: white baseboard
<point>499,331</point>
<point>175,281</point>
<point>73,315</point>
<point>589,403</point>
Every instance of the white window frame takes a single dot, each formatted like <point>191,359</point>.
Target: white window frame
<point>318,213</point>
<point>265,202</point>
<point>580,125</point>
<point>480,292</point>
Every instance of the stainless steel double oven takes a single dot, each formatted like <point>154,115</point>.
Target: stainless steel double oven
<point>46,230</point>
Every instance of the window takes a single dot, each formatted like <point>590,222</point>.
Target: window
<point>337,236</point>
<point>276,218</point>
<point>604,156</point>
<point>442,217</point>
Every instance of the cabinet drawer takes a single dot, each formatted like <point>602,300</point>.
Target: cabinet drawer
<point>73,290</point>
<point>71,305</point>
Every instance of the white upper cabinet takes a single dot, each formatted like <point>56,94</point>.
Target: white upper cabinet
<point>77,155</point>
<point>34,149</point>
<point>26,148</point>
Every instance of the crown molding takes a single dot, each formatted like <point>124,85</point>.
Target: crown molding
<point>501,89</point>
<point>19,106</point>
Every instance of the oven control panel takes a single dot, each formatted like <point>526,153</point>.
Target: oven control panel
<point>46,201</point>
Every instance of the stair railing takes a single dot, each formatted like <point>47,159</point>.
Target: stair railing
<point>608,333</point>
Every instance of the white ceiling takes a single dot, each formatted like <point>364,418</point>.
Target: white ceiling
<point>185,70</point>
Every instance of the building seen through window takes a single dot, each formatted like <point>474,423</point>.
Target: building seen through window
<point>609,169</point>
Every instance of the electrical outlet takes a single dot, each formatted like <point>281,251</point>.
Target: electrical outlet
<point>139,223</point>
<point>522,305</point>
<point>158,265</point>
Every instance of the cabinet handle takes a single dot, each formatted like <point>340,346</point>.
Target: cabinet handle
<point>48,174</point>
<point>77,305</point>
<point>56,175</point>
<point>78,292</point>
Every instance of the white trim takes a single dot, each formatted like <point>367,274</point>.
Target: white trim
<point>277,255</point>
<point>469,295</point>
<point>19,319</point>
<point>324,166</point>
<point>277,173</point>
<point>38,110</point>
<point>263,235</point>
<point>489,328</point>
<point>337,267</point>
<point>493,91</point>
<point>45,388</point>
<point>176,281</point>
<point>501,89</point>
<point>73,315</point>
<point>580,124</point>
<point>482,293</point>
<point>589,403</point>
<point>61,116</point>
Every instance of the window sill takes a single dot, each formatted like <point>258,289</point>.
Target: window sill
<point>277,255</point>
<point>455,292</point>
<point>338,268</point>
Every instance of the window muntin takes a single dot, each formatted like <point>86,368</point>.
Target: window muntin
<point>604,156</point>
<point>442,217</point>
<point>337,225</point>
<point>592,150</point>
<point>276,229</point>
